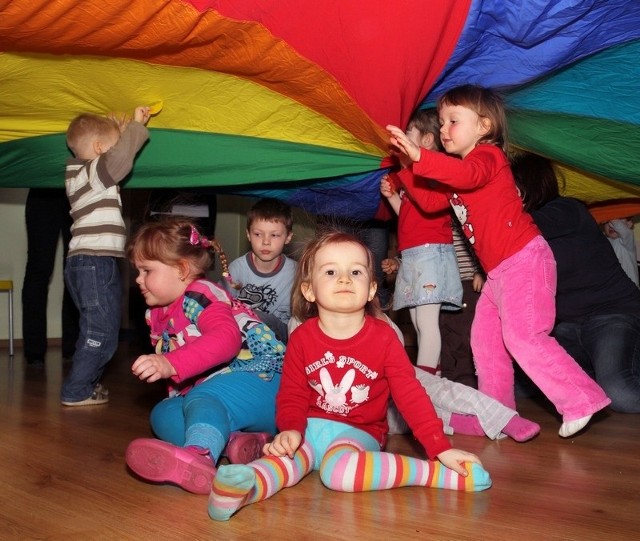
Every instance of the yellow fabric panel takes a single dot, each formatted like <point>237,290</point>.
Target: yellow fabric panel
<point>175,34</point>
<point>193,99</point>
<point>590,188</point>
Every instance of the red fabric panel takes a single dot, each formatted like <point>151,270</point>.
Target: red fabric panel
<point>386,55</point>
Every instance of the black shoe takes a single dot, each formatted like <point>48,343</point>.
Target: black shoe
<point>35,361</point>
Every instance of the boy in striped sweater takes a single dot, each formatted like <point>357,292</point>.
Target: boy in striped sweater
<point>104,149</point>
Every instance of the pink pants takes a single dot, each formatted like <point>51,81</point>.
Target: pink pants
<point>514,316</point>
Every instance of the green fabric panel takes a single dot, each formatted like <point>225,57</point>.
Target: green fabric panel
<point>599,147</point>
<point>187,159</point>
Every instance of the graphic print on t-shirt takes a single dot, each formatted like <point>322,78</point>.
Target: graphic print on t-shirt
<point>258,297</point>
<point>335,387</point>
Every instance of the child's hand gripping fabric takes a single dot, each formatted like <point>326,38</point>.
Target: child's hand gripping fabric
<point>403,144</point>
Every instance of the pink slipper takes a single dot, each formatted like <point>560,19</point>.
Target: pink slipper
<point>244,447</point>
<point>162,462</point>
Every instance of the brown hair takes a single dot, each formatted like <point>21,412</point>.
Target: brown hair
<point>174,240</point>
<point>536,179</point>
<point>301,308</point>
<point>487,104</point>
<point>88,125</point>
<point>271,210</point>
<point>426,121</point>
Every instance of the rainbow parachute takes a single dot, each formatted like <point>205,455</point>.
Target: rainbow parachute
<point>289,98</point>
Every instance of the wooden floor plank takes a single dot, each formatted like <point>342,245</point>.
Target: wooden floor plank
<point>64,478</point>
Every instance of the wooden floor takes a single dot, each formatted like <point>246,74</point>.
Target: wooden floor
<point>63,477</point>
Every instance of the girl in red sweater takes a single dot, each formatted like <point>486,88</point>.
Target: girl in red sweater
<point>428,278</point>
<point>516,309</point>
<point>341,367</point>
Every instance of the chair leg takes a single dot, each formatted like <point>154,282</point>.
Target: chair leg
<point>11,322</point>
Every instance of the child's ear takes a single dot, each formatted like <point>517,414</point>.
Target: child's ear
<point>97,147</point>
<point>372,290</point>
<point>289,237</point>
<point>485,125</point>
<point>427,140</point>
<point>184,269</point>
<point>307,292</point>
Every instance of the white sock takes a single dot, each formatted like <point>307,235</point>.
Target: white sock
<point>570,428</point>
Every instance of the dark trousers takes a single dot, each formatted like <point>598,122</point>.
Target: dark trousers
<point>47,217</point>
<point>456,359</point>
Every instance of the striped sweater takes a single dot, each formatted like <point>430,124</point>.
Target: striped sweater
<point>94,195</point>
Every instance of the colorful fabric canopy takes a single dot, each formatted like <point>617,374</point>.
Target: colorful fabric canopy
<point>289,98</point>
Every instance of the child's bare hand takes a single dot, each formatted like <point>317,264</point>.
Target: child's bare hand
<point>121,119</point>
<point>153,367</point>
<point>387,189</point>
<point>478,282</point>
<point>455,458</point>
<point>390,265</point>
<point>142,114</point>
<point>284,444</point>
<point>403,144</point>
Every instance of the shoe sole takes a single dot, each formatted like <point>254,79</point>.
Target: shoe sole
<point>245,447</point>
<point>87,402</point>
<point>161,462</point>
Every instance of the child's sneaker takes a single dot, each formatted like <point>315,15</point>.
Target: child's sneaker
<point>99,396</point>
<point>244,447</point>
<point>162,462</point>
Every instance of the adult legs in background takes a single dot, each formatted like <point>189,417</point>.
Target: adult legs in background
<point>375,234</point>
<point>47,217</point>
<point>608,348</point>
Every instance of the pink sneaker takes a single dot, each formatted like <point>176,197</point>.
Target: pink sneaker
<point>159,461</point>
<point>244,447</point>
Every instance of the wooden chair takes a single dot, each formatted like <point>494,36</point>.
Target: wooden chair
<point>7,286</point>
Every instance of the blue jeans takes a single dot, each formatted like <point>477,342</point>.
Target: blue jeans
<point>95,286</point>
<point>608,348</point>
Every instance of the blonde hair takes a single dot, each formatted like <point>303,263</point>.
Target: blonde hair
<point>487,104</point>
<point>174,240</point>
<point>301,308</point>
<point>87,126</point>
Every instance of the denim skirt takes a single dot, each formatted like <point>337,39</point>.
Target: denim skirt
<point>428,274</point>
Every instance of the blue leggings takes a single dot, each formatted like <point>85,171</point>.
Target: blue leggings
<point>209,412</point>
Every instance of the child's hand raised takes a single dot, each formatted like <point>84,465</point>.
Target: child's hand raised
<point>142,114</point>
<point>284,444</point>
<point>152,368</point>
<point>403,144</point>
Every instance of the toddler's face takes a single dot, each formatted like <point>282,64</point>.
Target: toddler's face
<point>460,129</point>
<point>341,281</point>
<point>160,284</point>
